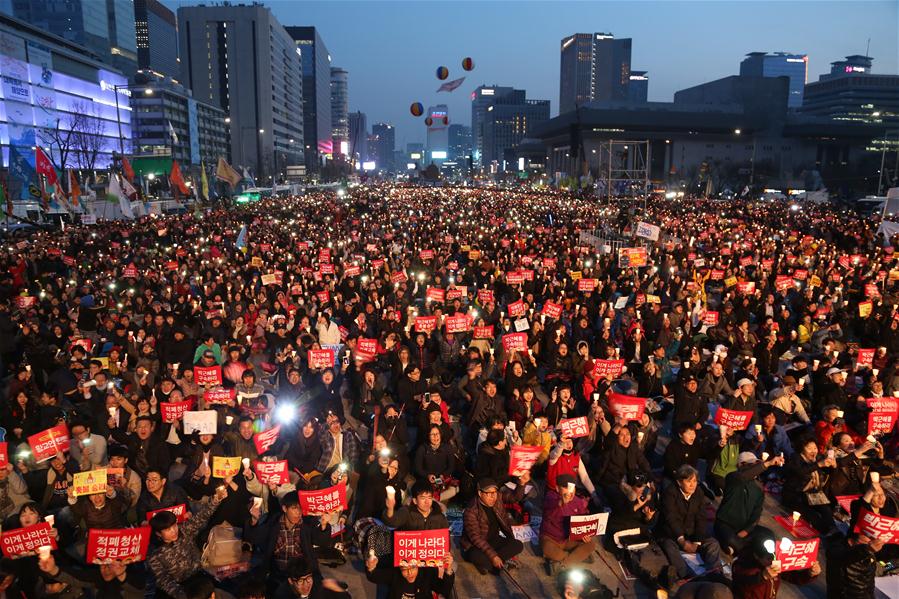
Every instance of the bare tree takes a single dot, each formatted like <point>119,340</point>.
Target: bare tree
<point>61,138</point>
<point>88,139</point>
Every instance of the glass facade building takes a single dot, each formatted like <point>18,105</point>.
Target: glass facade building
<point>779,64</point>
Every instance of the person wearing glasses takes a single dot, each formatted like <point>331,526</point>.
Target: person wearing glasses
<point>483,521</point>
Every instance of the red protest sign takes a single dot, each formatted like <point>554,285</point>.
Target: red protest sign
<point>865,358</point>
<point>435,294</point>
<point>516,308</point>
<point>627,407</point>
<point>605,367</point>
<point>25,541</point>
<point>515,342</point>
<point>799,528</point>
<point>369,346</point>
<point>871,290</point>
<point>514,278</point>
<point>485,296</point>
<point>129,272</point>
<point>172,411</point>
<point>323,296</point>
<point>883,415</point>
<point>797,555</point>
<point>710,319</point>
<point>523,457</point>
<point>352,270</point>
<point>454,293</point>
<point>219,396</point>
<point>180,511</point>
<point>208,375</point>
<point>426,254</point>
<point>424,548</point>
<point>25,301</point>
<point>459,323</point>
<point>398,277</point>
<point>746,287</point>
<point>587,284</point>
<point>272,471</point>
<point>877,526</point>
<point>783,283</point>
<point>4,454</point>
<point>120,544</point>
<point>321,358</point>
<point>323,501</point>
<point>574,427</point>
<point>589,525</point>
<point>46,444</point>
<point>485,332</point>
<point>552,309</point>
<point>716,275</point>
<point>845,501</point>
<point>266,439</point>
<point>425,324</point>
<point>735,419</point>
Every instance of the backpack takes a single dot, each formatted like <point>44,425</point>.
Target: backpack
<point>222,548</point>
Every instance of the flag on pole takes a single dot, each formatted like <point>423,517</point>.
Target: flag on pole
<point>4,197</point>
<point>241,243</point>
<point>126,168</point>
<point>114,193</point>
<point>225,172</point>
<point>74,188</point>
<point>129,189</point>
<point>451,85</point>
<point>43,166</point>
<point>90,190</point>
<point>204,183</point>
<point>172,133</point>
<point>177,180</point>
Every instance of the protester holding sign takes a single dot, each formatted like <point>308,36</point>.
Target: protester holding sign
<point>410,580</point>
<point>758,574</point>
<point>558,507</point>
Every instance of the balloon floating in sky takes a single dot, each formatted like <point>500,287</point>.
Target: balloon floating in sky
<point>417,109</point>
<point>467,63</point>
<point>442,73</point>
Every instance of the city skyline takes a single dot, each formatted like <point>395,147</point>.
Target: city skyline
<point>391,49</point>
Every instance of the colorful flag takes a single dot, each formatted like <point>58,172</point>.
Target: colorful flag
<point>451,85</point>
<point>43,166</point>
<point>204,183</point>
<point>225,172</point>
<point>114,193</point>
<point>74,188</point>
<point>126,168</point>
<point>177,180</point>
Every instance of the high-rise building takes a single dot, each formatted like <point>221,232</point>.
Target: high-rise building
<point>503,121</point>
<point>104,27</point>
<point>481,99</point>
<point>157,38</point>
<point>638,87</point>
<point>358,140</point>
<point>851,92</point>
<point>316,64</point>
<point>58,97</point>
<point>459,142</point>
<point>340,108</point>
<point>779,64</point>
<point>594,66</point>
<point>240,58</point>
<point>438,133</point>
<point>382,144</point>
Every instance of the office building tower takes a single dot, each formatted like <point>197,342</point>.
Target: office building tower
<point>157,38</point>
<point>241,59</point>
<point>358,138</point>
<point>503,117</point>
<point>779,64</point>
<point>316,65</point>
<point>382,144</point>
<point>438,132</point>
<point>638,87</point>
<point>593,67</point>
<point>104,27</point>
<point>459,143</point>
<point>340,107</point>
<point>852,92</point>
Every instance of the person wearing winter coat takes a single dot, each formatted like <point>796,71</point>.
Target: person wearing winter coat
<point>756,574</point>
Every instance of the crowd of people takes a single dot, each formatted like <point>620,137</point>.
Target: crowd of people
<point>376,363</point>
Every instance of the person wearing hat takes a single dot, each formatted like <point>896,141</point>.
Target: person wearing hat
<point>689,407</point>
<point>177,555</point>
<point>830,390</point>
<point>741,506</point>
<point>684,522</point>
<point>208,349</point>
<point>559,505</point>
<point>743,400</point>
<point>483,521</point>
<point>786,402</point>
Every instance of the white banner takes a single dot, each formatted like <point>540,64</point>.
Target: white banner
<point>648,231</point>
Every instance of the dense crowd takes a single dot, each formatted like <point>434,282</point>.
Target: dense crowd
<point>376,362</point>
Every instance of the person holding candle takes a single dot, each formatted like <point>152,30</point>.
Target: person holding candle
<point>756,572</point>
<point>744,497</point>
<point>804,477</point>
<point>559,552</point>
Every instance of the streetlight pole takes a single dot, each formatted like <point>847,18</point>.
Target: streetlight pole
<point>115,91</point>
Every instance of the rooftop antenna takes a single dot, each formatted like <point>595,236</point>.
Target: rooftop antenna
<point>868,47</point>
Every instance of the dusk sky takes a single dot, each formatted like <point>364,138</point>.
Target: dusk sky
<point>392,49</point>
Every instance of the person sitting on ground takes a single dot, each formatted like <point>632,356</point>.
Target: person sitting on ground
<point>413,580</point>
<point>559,551</point>
<point>684,523</point>
<point>483,521</point>
<point>421,514</point>
<point>306,582</point>
<point>757,574</point>
<point>741,506</point>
